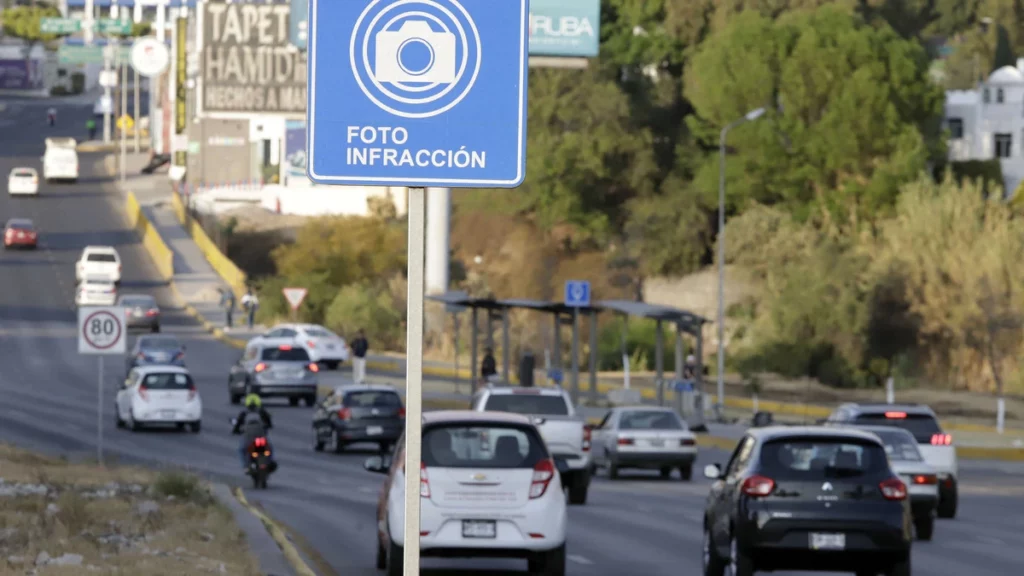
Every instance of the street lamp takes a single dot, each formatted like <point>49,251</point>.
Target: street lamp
<point>750,116</point>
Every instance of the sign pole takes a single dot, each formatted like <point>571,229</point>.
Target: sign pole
<point>99,413</point>
<point>124,122</point>
<point>414,380</point>
<point>576,354</point>
<point>107,97</point>
<point>138,106</point>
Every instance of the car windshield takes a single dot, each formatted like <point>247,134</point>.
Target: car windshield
<point>168,381</point>
<point>536,404</point>
<point>650,420</point>
<point>139,301</point>
<point>921,426</point>
<point>899,446</point>
<point>284,354</point>
<point>100,257</point>
<point>386,399</point>
<point>160,343</point>
<point>817,458</point>
<point>482,446</point>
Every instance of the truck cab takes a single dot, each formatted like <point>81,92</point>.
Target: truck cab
<point>564,431</point>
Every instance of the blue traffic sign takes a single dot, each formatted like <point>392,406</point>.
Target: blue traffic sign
<point>577,293</point>
<point>418,92</point>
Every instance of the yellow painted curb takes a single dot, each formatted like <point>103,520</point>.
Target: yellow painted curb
<point>982,453</point>
<point>289,550</point>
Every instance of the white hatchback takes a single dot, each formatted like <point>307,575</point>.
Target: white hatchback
<point>159,396</point>
<point>23,181</point>
<point>324,347</point>
<point>488,487</point>
<point>96,292</point>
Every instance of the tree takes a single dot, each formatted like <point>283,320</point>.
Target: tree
<point>24,22</point>
<point>852,113</point>
<point>1004,52</point>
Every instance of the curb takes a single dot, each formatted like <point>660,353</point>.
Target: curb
<point>279,536</point>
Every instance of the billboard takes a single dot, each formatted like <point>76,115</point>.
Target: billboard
<point>294,171</point>
<point>299,25</point>
<point>21,75</point>
<point>248,62</point>
<point>180,88</point>
<point>568,28</point>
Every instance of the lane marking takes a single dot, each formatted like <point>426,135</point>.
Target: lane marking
<point>579,559</point>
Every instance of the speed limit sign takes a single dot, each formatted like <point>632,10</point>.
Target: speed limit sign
<point>101,330</point>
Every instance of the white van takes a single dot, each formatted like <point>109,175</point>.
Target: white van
<point>60,162</point>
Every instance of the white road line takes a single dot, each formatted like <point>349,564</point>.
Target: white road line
<point>579,559</point>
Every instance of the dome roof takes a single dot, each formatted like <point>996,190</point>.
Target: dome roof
<point>1006,75</point>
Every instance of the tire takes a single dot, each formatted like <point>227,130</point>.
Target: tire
<point>924,528</point>
<point>948,506</point>
<point>310,401</point>
<point>236,399</point>
<point>318,443</point>
<point>196,427</point>
<point>549,563</point>
<point>900,567</point>
<point>332,365</point>
<point>293,401</point>
<point>396,563</point>
<point>337,446</point>
<point>578,488</point>
<point>613,470</point>
<point>382,555</point>
<point>713,563</point>
<point>686,472</point>
<point>133,425</point>
<point>666,472</point>
<point>155,328</point>
<point>741,564</point>
<point>117,417</point>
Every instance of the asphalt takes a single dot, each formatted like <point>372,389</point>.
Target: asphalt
<point>639,525</point>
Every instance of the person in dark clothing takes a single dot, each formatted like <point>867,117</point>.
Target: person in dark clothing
<point>252,423</point>
<point>90,125</point>
<point>227,300</point>
<point>527,364</point>
<point>488,367</point>
<point>359,347</point>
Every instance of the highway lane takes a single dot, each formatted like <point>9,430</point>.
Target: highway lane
<point>636,526</point>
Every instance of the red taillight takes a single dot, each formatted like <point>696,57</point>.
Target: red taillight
<point>543,472</point>
<point>401,412</point>
<point>896,415</point>
<point>926,479</point>
<point>260,367</point>
<point>259,442</point>
<point>152,312</point>
<point>310,343</point>
<point>758,486</point>
<point>312,367</point>
<point>192,393</point>
<point>626,442</point>
<point>893,489</point>
<point>941,439</point>
<point>143,393</point>
<point>345,413</point>
<point>687,442</point>
<point>587,435</point>
<point>284,347</point>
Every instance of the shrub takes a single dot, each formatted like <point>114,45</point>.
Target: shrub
<point>348,249</point>
<point>363,306</point>
<point>641,343</point>
<point>181,486</point>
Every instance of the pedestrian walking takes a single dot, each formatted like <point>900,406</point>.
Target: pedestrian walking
<point>90,125</point>
<point>488,366</point>
<point>527,364</point>
<point>251,304</point>
<point>227,300</point>
<point>359,348</point>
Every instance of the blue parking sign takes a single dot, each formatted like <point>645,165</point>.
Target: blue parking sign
<point>577,293</point>
<point>418,92</point>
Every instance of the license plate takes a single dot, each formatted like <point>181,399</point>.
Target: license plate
<point>657,443</point>
<point>374,430</point>
<point>478,529</point>
<point>330,346</point>
<point>828,541</point>
<point>167,414</point>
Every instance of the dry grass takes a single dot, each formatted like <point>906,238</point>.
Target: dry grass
<point>95,513</point>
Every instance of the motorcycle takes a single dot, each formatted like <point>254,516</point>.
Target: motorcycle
<point>261,465</point>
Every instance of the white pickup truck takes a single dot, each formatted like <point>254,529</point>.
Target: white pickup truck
<point>564,432</point>
<point>60,161</point>
<point>99,262</point>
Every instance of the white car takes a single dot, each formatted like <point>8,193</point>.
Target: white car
<point>99,262</point>
<point>159,395</point>
<point>644,437</point>
<point>324,347</point>
<point>488,487</point>
<point>23,181</point>
<point>96,292</point>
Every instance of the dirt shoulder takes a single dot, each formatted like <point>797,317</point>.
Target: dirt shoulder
<point>62,518</point>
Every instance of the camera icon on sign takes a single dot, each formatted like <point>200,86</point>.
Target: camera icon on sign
<point>415,53</point>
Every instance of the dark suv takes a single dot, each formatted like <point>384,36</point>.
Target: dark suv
<point>807,498</point>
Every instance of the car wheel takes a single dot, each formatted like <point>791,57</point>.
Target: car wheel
<point>332,365</point>
<point>196,427</point>
<point>924,528</point>
<point>117,417</point>
<point>236,399</point>
<point>578,489</point>
<point>613,470</point>
<point>686,472</point>
<point>899,568</point>
<point>948,505</point>
<point>293,401</point>
<point>713,564</point>
<point>396,563</point>
<point>156,328</point>
<point>666,472</point>
<point>180,426</point>
<point>382,555</point>
<point>133,425</point>
<point>739,563</point>
<point>337,446</point>
<point>318,443</point>
<point>310,401</point>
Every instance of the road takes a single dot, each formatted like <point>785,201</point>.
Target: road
<point>634,526</point>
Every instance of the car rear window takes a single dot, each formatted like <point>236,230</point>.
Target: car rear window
<point>285,354</point>
<point>482,446</point>
<point>94,257</point>
<point>160,343</point>
<point>650,420</point>
<point>528,404</point>
<point>922,426</point>
<point>372,398</point>
<point>20,224</point>
<point>816,458</point>
<point>899,446</point>
<point>318,333</point>
<point>24,173</point>
<point>137,301</point>
<point>168,381</point>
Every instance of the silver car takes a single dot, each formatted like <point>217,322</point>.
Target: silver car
<point>274,369</point>
<point>140,311</point>
<point>921,479</point>
<point>644,437</point>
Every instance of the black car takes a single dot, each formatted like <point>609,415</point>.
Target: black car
<point>156,349</point>
<point>140,311</point>
<point>807,498</point>
<point>360,413</point>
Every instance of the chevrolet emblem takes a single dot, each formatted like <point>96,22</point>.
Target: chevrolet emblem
<point>478,477</point>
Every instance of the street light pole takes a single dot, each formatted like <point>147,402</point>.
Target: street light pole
<point>750,116</point>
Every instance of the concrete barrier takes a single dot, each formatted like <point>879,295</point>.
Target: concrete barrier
<point>222,265</point>
<point>161,254</point>
<point>179,207</point>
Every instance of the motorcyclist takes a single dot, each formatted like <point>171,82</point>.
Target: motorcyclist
<point>51,116</point>
<point>252,423</point>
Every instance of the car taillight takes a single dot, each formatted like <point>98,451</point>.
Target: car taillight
<point>401,412</point>
<point>926,479</point>
<point>424,481</point>
<point>152,312</point>
<point>143,392</point>
<point>192,393</point>
<point>587,435</point>
<point>896,415</point>
<point>626,442</point>
<point>687,442</point>
<point>543,472</point>
<point>941,439</point>
<point>893,489</point>
<point>260,367</point>
<point>311,343</point>
<point>312,367</point>
<point>758,486</point>
<point>345,413</point>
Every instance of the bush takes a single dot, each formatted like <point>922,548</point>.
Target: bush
<point>362,306</point>
<point>349,249</point>
<point>181,486</point>
<point>319,296</point>
<point>641,343</point>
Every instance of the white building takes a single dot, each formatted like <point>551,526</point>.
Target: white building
<point>988,123</point>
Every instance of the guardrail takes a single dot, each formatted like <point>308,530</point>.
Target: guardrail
<point>161,254</point>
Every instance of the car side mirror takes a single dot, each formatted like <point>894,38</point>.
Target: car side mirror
<point>375,464</point>
<point>712,472</point>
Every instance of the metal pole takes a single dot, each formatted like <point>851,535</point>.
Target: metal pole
<point>473,350</point>
<point>593,358</point>
<point>136,112</point>
<point>625,351</point>
<point>124,126</point>
<point>99,413</point>
<point>504,346</point>
<point>659,362</point>
<point>414,380</point>
<point>678,398</point>
<point>455,344</point>
<point>107,97</point>
<point>557,353</point>
<point>576,355</point>
<point>721,268</point>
